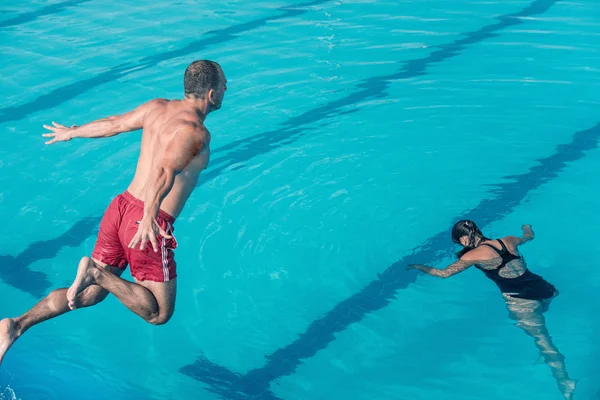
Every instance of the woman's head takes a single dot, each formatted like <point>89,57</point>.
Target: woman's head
<point>467,234</point>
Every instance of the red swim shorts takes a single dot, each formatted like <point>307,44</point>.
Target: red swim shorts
<point>117,228</point>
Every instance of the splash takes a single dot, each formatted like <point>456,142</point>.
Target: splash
<point>8,394</point>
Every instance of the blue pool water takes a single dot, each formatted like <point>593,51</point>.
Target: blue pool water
<point>352,136</point>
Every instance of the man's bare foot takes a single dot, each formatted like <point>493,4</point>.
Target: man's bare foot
<point>85,277</point>
<point>8,335</point>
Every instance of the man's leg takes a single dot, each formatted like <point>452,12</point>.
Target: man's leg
<point>51,306</point>
<point>153,301</point>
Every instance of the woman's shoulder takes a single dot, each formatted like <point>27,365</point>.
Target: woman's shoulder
<point>511,243</point>
<point>491,249</point>
<point>477,254</point>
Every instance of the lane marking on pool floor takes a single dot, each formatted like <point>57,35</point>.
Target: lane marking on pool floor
<point>295,127</point>
<point>62,94</point>
<point>382,291</point>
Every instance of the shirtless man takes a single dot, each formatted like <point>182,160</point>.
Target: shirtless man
<point>137,227</point>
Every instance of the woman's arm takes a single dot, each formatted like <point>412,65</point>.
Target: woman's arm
<point>527,236</point>
<point>452,269</point>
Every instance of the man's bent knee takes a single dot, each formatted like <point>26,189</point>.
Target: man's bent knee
<point>160,319</point>
<point>164,294</point>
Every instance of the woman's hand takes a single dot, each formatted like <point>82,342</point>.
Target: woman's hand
<point>412,266</point>
<point>527,234</point>
<point>528,230</point>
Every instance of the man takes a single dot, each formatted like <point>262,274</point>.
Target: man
<point>137,227</point>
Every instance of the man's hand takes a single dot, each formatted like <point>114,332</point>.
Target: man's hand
<point>148,230</point>
<point>60,133</point>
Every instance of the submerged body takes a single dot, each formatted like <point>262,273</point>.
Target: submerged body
<point>512,276</point>
<point>527,295</point>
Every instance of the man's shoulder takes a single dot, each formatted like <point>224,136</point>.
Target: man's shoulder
<point>158,102</point>
<point>191,125</point>
<point>186,119</point>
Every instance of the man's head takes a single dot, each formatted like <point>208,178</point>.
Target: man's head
<point>205,80</point>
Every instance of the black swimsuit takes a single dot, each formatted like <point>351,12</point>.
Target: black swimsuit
<point>528,286</point>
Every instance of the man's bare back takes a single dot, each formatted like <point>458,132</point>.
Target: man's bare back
<point>164,122</point>
<point>137,227</point>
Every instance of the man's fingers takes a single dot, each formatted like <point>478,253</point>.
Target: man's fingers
<point>164,233</point>
<point>58,125</point>
<point>142,240</point>
<point>134,241</point>
<point>50,128</point>
<point>48,134</point>
<point>50,141</point>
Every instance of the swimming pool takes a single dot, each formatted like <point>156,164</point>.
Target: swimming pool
<point>353,134</point>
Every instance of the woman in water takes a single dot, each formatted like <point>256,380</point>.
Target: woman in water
<point>527,295</point>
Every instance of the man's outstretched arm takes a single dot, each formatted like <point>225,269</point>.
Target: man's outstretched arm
<point>105,127</point>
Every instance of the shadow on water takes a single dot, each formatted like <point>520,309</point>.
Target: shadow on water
<point>68,92</point>
<point>32,15</point>
<point>15,271</point>
<point>371,88</point>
